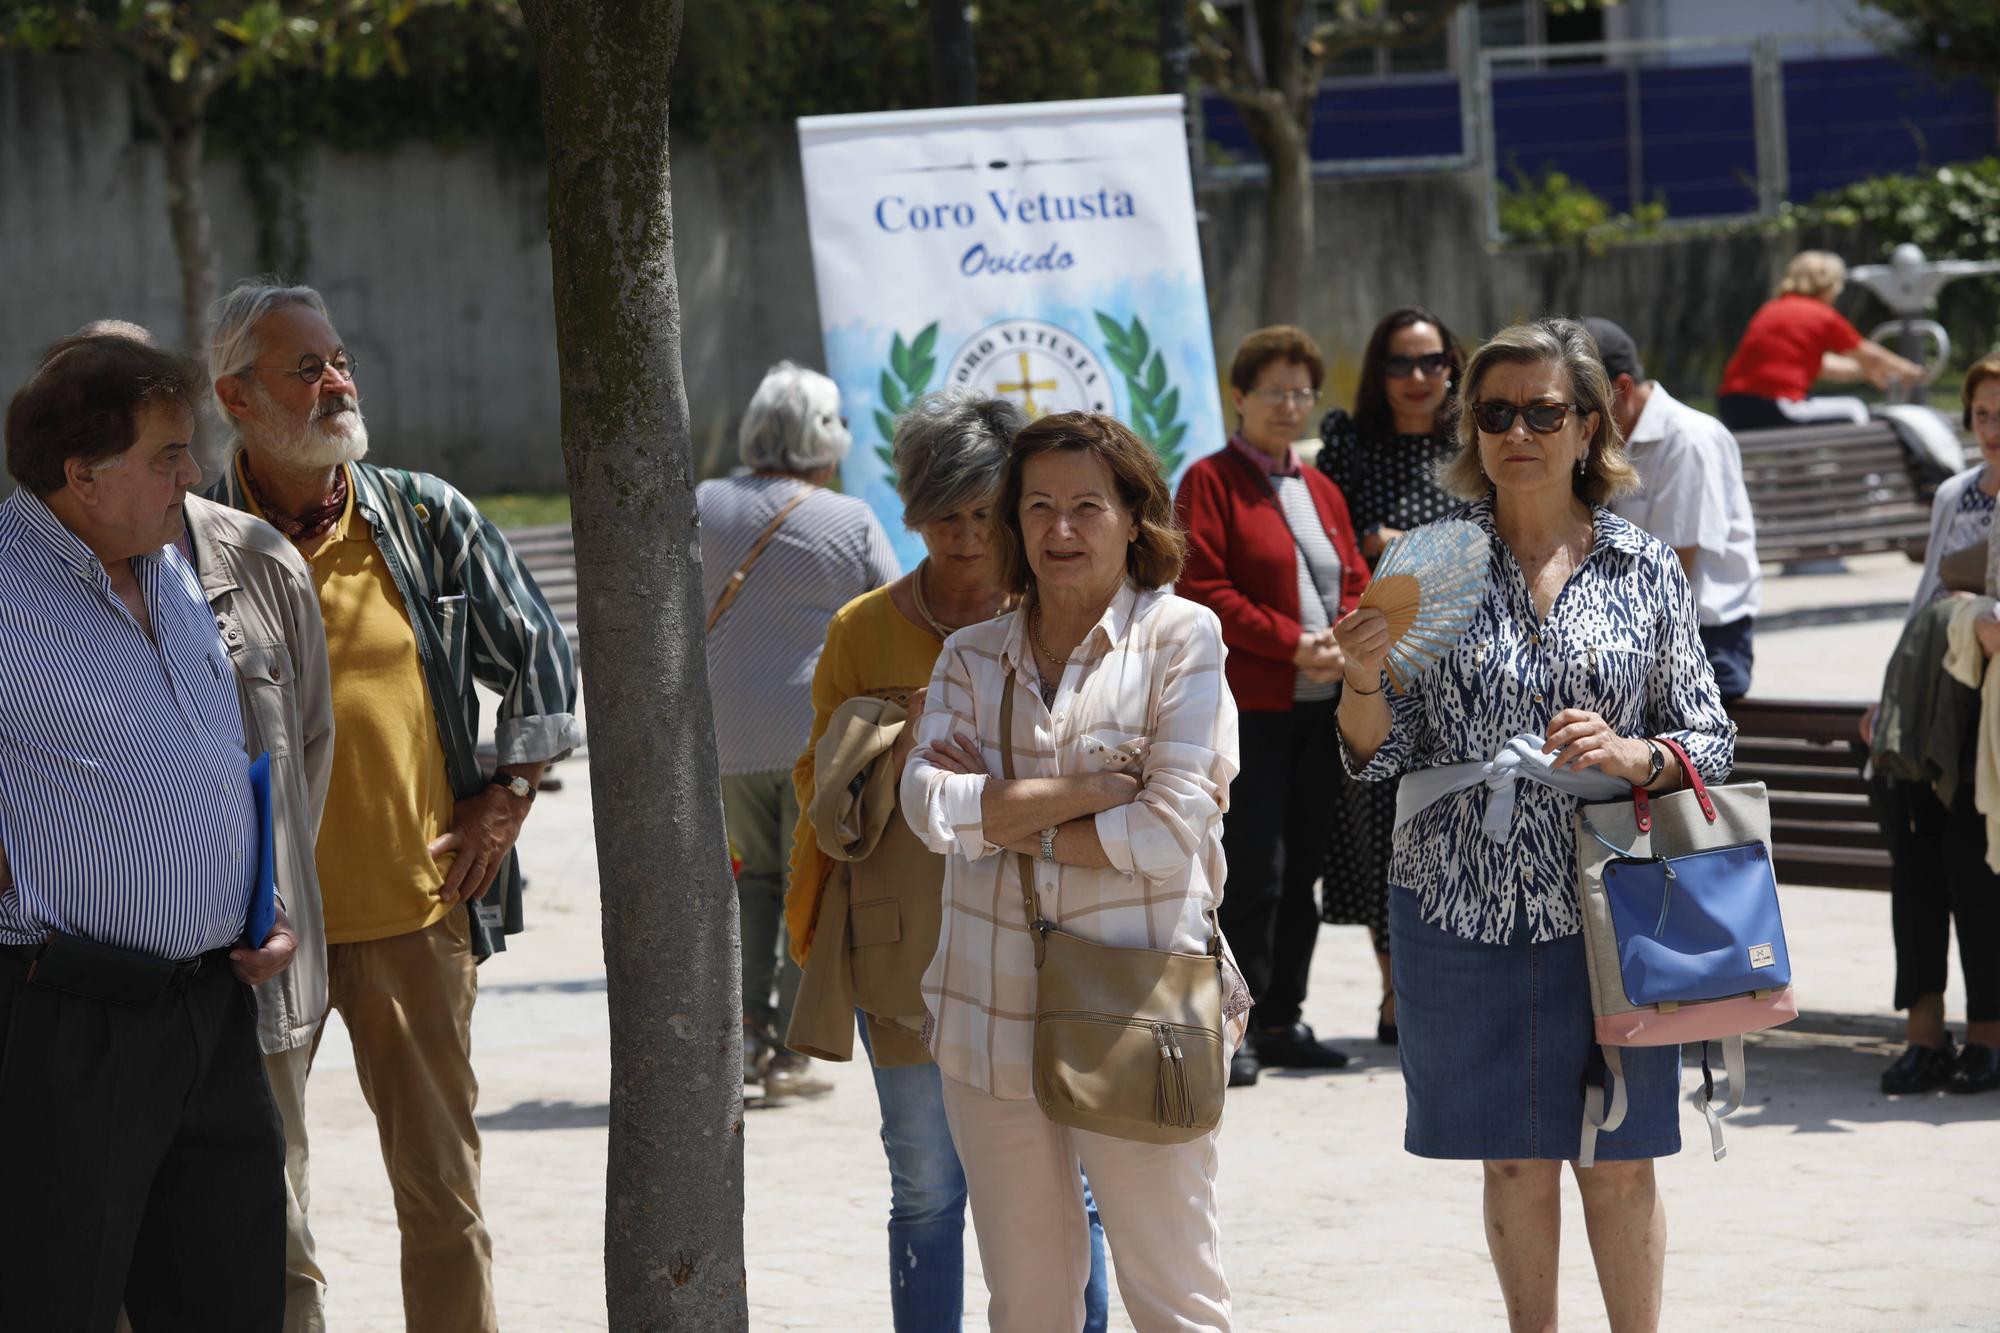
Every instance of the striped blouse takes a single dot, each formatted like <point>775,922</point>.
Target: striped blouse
<point>125,803</point>
<point>761,654</point>
<point>1143,693</point>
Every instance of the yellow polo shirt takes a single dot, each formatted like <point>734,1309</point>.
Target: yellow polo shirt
<point>390,794</point>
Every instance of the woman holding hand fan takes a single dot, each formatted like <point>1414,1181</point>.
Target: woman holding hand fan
<point>1502,707</point>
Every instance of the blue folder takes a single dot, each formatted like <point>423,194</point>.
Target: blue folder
<point>263,910</point>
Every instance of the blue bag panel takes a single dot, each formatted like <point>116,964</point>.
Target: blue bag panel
<point>1709,932</point>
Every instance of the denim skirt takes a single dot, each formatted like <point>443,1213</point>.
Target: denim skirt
<point>1496,1041</point>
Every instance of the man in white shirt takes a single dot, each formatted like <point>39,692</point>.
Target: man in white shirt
<point>1693,499</point>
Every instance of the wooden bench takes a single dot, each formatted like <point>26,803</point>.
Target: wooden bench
<point>1818,492</point>
<point>1809,756</point>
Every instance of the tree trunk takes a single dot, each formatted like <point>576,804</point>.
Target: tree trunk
<point>1288,225</point>
<point>954,70</point>
<point>673,1226</point>
<point>175,114</point>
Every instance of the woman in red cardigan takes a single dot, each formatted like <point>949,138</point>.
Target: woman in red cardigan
<point>1272,552</point>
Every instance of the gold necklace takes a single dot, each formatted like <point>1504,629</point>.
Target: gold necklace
<point>1036,625</point>
<point>938,627</point>
<point>923,607</point>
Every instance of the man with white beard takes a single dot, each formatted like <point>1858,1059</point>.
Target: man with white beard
<point>415,855</point>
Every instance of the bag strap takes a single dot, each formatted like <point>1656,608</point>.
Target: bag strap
<point>1597,1117</point>
<point>1692,775</point>
<point>735,584</point>
<point>1732,1069</point>
<point>1024,862</point>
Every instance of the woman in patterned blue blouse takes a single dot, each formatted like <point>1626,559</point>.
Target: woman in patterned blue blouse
<point>1587,643</point>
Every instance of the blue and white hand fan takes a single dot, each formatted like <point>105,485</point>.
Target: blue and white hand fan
<point>1428,584</point>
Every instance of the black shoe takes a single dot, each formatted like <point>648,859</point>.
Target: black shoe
<point>1385,1031</point>
<point>1295,1047</point>
<point>1919,1069</point>
<point>1976,1070</point>
<point>1242,1067</point>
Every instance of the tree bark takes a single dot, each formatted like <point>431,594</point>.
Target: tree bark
<point>673,1226</point>
<point>175,113</point>
<point>1288,204</point>
<point>954,68</point>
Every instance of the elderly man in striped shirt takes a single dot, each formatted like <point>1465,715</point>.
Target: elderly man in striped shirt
<point>420,595</point>
<point>148,1162</point>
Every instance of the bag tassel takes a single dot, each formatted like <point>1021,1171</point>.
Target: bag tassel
<point>1173,1100</point>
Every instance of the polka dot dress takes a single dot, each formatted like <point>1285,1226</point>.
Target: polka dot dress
<point>1387,483</point>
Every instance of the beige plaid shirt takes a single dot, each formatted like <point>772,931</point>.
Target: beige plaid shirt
<point>1143,693</point>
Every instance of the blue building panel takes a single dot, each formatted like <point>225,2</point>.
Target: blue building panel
<point>1847,118</point>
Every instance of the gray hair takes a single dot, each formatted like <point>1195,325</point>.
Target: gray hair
<point>232,328</point>
<point>793,423</point>
<point>1607,473</point>
<point>950,451</point>
<point>118,328</point>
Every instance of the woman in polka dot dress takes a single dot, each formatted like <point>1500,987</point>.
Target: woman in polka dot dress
<point>1382,457</point>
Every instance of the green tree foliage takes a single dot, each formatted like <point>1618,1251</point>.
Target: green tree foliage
<point>1957,38</point>
<point>754,62</point>
<point>1552,209</point>
<point>178,54</point>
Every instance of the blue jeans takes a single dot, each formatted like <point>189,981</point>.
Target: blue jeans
<point>927,1208</point>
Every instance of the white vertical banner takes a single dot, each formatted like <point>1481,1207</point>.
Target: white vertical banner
<point>1043,252</point>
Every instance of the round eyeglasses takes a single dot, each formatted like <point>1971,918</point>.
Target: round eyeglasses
<point>311,367</point>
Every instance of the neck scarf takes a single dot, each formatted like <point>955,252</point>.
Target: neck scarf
<point>313,522</point>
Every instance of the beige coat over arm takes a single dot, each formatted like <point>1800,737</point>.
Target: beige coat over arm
<point>268,615</point>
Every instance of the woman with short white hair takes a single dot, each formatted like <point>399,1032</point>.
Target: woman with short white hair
<point>780,554</point>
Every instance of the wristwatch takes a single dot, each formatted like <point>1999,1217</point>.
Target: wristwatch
<point>515,783</point>
<point>1049,845</point>
<point>1656,765</point>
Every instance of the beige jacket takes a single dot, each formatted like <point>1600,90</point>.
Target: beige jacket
<point>880,907</point>
<point>268,615</point>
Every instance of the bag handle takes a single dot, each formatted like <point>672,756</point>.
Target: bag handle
<point>735,584</point>
<point>1025,864</point>
<point>1692,775</point>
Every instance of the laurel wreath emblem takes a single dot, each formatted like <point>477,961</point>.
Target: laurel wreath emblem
<point>906,379</point>
<point>1156,402</point>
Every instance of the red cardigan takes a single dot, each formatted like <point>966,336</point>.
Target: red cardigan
<point>1243,566</point>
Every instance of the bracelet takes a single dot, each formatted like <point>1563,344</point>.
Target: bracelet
<point>1346,684</point>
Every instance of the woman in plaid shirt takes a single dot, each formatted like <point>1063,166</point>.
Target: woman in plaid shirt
<point>1124,743</point>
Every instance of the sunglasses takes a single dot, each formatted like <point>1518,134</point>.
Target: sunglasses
<point>1402,367</point>
<point>1542,418</point>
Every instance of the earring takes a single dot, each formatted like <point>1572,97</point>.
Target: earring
<point>1582,465</point>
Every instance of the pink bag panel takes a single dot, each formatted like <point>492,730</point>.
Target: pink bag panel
<point>1706,1021</point>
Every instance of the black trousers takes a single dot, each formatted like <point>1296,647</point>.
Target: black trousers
<point>1940,879</point>
<point>144,1161</point>
<point>1281,812</point>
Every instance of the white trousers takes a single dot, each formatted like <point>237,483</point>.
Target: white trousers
<point>1157,1203</point>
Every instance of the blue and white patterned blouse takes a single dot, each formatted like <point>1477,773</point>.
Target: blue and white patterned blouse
<point>1620,641</point>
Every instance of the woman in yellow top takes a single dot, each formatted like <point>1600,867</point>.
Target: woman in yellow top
<point>949,452</point>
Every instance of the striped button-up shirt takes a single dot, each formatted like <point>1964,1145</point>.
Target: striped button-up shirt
<point>762,652</point>
<point>1143,694</point>
<point>125,802</point>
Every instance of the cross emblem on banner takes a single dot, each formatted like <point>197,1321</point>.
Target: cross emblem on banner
<point>1026,387</point>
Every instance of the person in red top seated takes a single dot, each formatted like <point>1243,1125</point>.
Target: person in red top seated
<point>1271,551</point>
<point>1797,337</point>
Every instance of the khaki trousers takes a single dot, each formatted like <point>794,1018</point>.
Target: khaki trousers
<point>1157,1202</point>
<point>407,1003</point>
<point>305,1284</point>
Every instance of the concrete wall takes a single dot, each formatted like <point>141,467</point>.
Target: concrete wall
<point>436,266</point>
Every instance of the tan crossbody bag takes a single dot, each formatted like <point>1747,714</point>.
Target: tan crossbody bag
<point>1128,1042</point>
<point>735,584</point>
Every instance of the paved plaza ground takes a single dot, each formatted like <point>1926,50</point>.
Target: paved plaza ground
<point>1836,1208</point>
